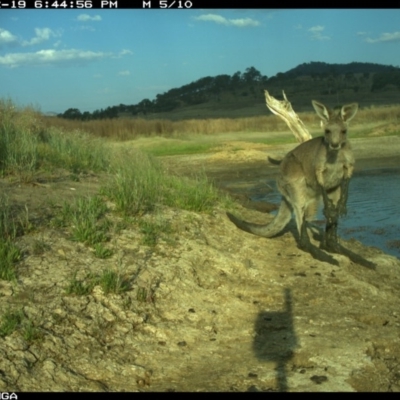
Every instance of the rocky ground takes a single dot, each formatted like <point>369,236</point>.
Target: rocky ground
<point>209,307</point>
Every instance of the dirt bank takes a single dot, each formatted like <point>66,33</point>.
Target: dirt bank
<point>209,307</point>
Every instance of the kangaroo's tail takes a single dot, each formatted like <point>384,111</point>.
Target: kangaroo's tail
<point>274,161</point>
<point>273,228</point>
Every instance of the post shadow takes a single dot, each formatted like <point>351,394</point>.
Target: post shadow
<point>276,339</point>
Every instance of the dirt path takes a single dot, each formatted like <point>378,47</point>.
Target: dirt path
<point>209,308</point>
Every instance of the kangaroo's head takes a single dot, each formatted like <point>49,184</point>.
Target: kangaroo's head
<point>335,123</point>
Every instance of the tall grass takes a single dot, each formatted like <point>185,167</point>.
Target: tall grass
<point>136,187</point>
<point>86,216</point>
<point>139,182</point>
<point>76,151</point>
<point>18,138</point>
<point>9,253</point>
<point>27,145</point>
<point>140,185</point>
<point>194,194</point>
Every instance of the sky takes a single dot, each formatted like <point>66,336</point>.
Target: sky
<point>92,59</point>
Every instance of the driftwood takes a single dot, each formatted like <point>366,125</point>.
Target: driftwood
<point>283,109</point>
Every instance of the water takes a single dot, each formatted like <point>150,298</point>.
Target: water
<point>373,209</point>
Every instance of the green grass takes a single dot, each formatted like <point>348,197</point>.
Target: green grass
<point>89,231</point>
<point>30,332</point>
<point>154,230</point>
<point>18,140</point>
<point>173,149</point>
<point>75,151</point>
<point>142,295</point>
<point>86,217</point>
<point>10,321</point>
<point>113,282</point>
<point>102,252</point>
<point>8,226</point>
<point>193,194</point>
<point>13,320</point>
<point>9,255</point>
<point>26,146</point>
<point>81,287</point>
<point>109,280</point>
<point>141,184</point>
<point>135,188</point>
<point>275,141</point>
<point>9,252</point>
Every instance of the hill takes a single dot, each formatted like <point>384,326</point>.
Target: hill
<point>241,95</point>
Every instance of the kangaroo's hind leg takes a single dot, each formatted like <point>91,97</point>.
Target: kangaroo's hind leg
<point>295,193</point>
<point>304,240</point>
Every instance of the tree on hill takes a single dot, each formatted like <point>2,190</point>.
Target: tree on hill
<point>252,75</point>
<point>71,113</point>
<point>385,80</point>
<point>145,106</point>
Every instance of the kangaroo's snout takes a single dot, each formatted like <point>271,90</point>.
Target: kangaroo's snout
<point>334,141</point>
<point>335,146</point>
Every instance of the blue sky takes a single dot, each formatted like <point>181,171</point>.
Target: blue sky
<point>92,59</point>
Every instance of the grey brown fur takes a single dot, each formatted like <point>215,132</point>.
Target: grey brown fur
<point>318,168</point>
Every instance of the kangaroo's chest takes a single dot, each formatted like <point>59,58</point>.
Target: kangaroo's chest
<point>333,174</point>
<point>332,169</point>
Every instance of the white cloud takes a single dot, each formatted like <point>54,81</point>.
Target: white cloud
<point>124,73</point>
<point>86,17</point>
<point>361,33</point>
<point>212,17</point>
<point>51,57</point>
<point>124,52</point>
<point>385,37</point>
<point>316,33</point>
<point>42,34</point>
<point>218,19</point>
<point>243,22</point>
<point>316,29</point>
<point>7,37</point>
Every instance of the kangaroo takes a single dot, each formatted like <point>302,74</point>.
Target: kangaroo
<point>318,168</point>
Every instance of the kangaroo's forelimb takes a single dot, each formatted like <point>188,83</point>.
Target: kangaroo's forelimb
<point>331,213</point>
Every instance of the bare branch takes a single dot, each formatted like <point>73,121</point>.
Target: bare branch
<point>284,110</point>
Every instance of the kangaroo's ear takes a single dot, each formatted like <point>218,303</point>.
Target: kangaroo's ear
<point>349,111</point>
<point>321,110</point>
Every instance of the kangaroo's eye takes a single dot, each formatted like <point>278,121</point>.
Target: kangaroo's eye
<point>344,131</point>
<point>327,131</point>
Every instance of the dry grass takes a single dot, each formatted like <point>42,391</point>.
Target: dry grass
<point>132,128</point>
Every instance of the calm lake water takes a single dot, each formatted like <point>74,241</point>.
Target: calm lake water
<point>373,209</point>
